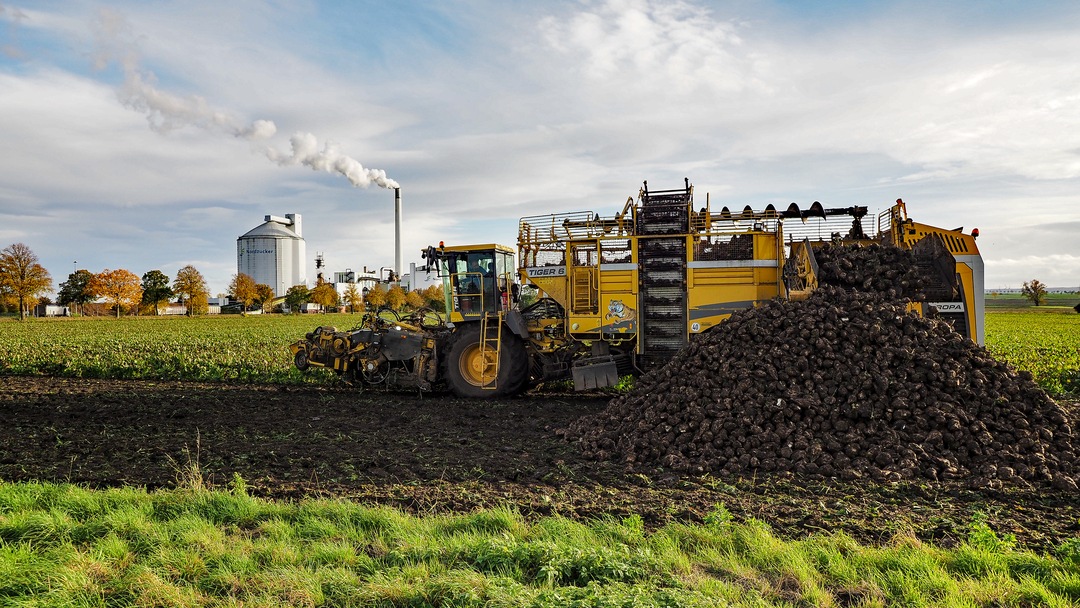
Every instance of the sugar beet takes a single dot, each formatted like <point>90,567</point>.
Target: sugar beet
<point>845,384</point>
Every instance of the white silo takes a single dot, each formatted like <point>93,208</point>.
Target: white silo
<point>274,253</point>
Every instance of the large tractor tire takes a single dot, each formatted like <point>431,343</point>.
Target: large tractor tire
<point>301,361</point>
<point>470,370</point>
<point>519,365</point>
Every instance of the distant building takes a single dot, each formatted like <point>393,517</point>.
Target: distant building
<point>51,310</point>
<point>175,308</point>
<point>419,279</point>
<point>274,253</point>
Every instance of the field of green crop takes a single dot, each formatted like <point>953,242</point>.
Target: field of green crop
<point>230,347</point>
<point>1045,342</point>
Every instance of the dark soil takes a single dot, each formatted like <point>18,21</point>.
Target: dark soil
<point>440,454</point>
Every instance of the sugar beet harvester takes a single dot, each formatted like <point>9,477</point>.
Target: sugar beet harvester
<point>611,296</point>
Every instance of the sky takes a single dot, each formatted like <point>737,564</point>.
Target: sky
<point>151,135</point>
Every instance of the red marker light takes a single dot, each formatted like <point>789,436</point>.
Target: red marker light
<point>975,232</point>
<point>442,245</point>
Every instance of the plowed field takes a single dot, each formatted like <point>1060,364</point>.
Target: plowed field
<point>438,454</point>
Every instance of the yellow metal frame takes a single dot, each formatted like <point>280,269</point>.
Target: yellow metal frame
<point>902,231</point>
<point>597,296</point>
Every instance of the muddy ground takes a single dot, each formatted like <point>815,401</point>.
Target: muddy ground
<point>440,454</point>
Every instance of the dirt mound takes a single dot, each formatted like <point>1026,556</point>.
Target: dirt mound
<point>844,384</point>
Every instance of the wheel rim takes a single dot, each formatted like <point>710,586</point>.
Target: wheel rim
<point>477,367</point>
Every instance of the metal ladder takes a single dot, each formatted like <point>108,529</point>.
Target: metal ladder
<point>584,291</point>
<point>488,342</point>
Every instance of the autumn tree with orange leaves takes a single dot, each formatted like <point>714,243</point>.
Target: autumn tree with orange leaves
<point>435,298</point>
<point>245,290</point>
<point>22,278</point>
<point>395,297</point>
<point>264,296</point>
<point>415,299</point>
<point>324,295</point>
<point>190,285</point>
<point>375,297</point>
<point>120,288</point>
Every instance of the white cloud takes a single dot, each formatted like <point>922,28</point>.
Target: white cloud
<point>1056,270</point>
<point>952,106</point>
<point>72,141</point>
<point>488,112</point>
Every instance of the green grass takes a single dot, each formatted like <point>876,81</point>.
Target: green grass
<point>61,545</point>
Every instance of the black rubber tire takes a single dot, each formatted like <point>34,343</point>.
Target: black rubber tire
<point>463,360</point>
<point>518,382</point>
<point>301,361</point>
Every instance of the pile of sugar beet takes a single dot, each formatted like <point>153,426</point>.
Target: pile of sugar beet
<point>846,384</point>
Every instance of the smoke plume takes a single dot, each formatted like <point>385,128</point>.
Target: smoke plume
<point>166,112</point>
<point>305,151</point>
<point>14,16</point>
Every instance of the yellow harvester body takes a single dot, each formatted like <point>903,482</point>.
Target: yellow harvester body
<point>622,294</point>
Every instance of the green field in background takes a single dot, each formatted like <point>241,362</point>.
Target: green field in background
<point>1043,340</point>
<point>995,300</point>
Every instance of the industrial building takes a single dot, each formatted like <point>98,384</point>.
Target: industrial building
<point>274,253</point>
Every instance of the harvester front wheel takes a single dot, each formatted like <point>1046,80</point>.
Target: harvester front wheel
<point>473,372</point>
<point>301,361</point>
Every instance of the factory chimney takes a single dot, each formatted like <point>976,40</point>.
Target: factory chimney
<point>397,232</point>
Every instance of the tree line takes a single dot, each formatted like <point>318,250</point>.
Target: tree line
<point>354,300</point>
<point>123,290</point>
<point>24,283</point>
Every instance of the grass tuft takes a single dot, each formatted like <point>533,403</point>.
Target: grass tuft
<point>66,546</point>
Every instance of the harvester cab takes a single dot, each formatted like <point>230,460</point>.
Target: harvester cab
<point>478,280</point>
